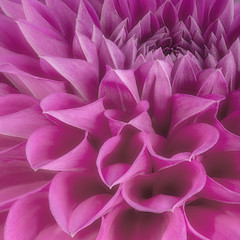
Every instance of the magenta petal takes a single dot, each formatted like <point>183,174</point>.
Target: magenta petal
<point>224,11</point>
<point>39,14</point>
<point>130,50</point>
<point>231,122</point>
<point>167,14</point>
<point>50,43</point>
<point>39,216</point>
<point>19,180</point>
<point>224,182</point>
<point>122,157</point>
<point>20,116</point>
<point>211,81</point>
<point>109,17</point>
<point>188,108</point>
<point>186,143</point>
<point>206,219</point>
<point>43,224</point>
<point>125,223</point>
<point>184,75</point>
<point>12,9</point>
<point>228,65</point>
<point>196,139</point>
<point>32,85</point>
<point>119,89</point>
<point>186,9</point>
<point>61,101</point>
<point>14,39</point>
<point>72,69</point>
<point>154,83</point>
<point>43,149</point>
<point>139,118</point>
<point>88,117</point>
<point>166,189</point>
<point>85,49</point>
<point>84,198</point>
<point>86,17</point>
<point>54,232</point>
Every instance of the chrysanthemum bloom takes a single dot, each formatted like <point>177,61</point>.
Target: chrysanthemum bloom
<point>119,119</point>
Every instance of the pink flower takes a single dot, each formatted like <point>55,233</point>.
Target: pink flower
<point>119,119</point>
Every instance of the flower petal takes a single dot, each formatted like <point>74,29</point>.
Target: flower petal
<point>207,219</point>
<point>166,189</point>
<point>81,74</point>
<point>122,157</point>
<point>84,198</point>
<point>125,223</point>
<point>43,149</point>
<point>19,180</point>
<point>45,42</point>
<point>119,89</point>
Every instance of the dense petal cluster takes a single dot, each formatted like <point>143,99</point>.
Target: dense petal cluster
<point>119,119</point>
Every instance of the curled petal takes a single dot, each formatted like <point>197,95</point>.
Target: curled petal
<point>186,143</point>
<point>205,219</point>
<point>124,222</point>
<point>19,180</point>
<point>119,89</point>
<point>84,199</point>
<point>88,117</point>
<point>166,189</point>
<point>187,108</point>
<point>139,119</point>
<point>43,223</point>
<point>43,149</point>
<point>231,122</point>
<point>20,116</point>
<point>122,157</point>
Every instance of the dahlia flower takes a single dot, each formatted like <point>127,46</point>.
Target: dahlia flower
<point>119,119</point>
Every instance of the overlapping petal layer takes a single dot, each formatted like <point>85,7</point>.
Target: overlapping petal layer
<point>119,119</point>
